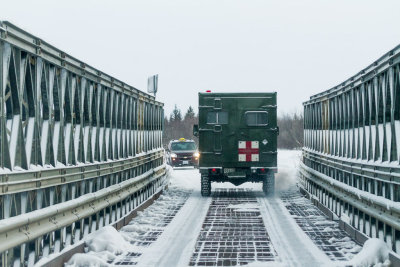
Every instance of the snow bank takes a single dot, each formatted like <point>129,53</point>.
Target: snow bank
<point>136,229</point>
<point>102,246</point>
<point>107,239</point>
<point>89,260</point>
<point>374,253</point>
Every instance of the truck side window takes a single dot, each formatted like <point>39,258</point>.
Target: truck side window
<point>212,117</point>
<point>256,118</point>
<point>217,117</point>
<point>222,117</point>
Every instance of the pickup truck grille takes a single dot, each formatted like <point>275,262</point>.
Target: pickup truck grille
<point>185,156</point>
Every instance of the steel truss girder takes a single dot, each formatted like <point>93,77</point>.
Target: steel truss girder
<point>351,144</point>
<point>376,220</point>
<point>57,111</point>
<point>67,130</point>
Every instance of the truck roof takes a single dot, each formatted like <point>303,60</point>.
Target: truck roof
<point>183,141</point>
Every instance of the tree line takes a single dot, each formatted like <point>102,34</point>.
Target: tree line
<point>178,125</point>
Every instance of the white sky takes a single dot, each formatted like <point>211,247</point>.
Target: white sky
<point>297,48</point>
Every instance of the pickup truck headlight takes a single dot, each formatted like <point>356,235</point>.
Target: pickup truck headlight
<point>173,155</point>
<point>196,155</point>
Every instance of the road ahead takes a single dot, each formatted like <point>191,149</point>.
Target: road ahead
<point>235,226</point>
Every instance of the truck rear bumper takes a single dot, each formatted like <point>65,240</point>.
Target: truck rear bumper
<point>248,171</point>
<point>237,176</point>
<point>273,169</point>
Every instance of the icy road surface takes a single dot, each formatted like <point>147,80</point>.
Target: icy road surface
<point>235,226</point>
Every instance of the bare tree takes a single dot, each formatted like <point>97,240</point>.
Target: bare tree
<point>290,131</point>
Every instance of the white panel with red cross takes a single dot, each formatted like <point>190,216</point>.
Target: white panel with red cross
<point>248,151</point>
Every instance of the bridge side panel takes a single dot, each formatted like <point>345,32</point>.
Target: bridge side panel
<point>351,149</point>
<point>79,149</point>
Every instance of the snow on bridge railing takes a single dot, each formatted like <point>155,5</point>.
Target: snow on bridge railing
<point>351,137</point>
<point>64,122</point>
<point>57,111</point>
<point>22,228</point>
<point>29,237</point>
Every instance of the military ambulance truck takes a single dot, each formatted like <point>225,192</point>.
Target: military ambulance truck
<point>237,139</point>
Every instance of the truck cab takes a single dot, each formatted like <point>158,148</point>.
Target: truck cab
<point>237,139</point>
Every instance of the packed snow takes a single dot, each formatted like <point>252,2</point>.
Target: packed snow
<point>107,239</point>
<point>102,246</point>
<point>245,207</point>
<point>375,252</point>
<point>90,260</point>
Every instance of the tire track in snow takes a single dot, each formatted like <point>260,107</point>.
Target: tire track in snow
<point>325,233</point>
<point>233,233</point>
<point>149,225</point>
<point>294,247</point>
<point>174,247</point>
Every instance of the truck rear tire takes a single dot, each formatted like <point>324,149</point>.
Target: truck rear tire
<point>269,184</point>
<point>205,186</point>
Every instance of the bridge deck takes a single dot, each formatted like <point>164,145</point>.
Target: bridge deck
<point>235,226</point>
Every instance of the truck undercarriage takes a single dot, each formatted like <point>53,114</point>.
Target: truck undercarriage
<point>238,177</point>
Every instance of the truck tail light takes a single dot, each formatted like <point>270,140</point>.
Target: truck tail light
<point>262,170</point>
<point>214,171</point>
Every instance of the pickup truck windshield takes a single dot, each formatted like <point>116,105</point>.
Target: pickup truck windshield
<point>183,146</point>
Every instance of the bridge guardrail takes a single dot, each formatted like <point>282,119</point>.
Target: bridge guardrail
<point>30,180</point>
<point>380,208</point>
<point>351,154</point>
<point>68,133</point>
<point>28,237</point>
<point>22,228</point>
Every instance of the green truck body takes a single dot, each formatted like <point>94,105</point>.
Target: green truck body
<point>237,138</point>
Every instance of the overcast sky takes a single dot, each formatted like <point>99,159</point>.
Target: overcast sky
<point>297,48</point>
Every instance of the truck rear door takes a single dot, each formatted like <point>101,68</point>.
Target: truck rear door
<point>215,121</point>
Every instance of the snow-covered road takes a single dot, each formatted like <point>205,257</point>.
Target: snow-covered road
<point>235,226</point>
<point>293,245</point>
<point>174,247</point>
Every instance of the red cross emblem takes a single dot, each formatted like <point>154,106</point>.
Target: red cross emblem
<point>248,151</point>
